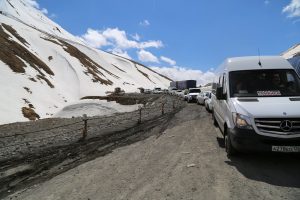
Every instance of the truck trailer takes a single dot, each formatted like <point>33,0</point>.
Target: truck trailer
<point>182,85</point>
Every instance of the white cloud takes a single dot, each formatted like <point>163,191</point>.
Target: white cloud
<point>116,38</point>
<point>151,43</point>
<point>95,38</point>
<point>45,11</point>
<point>181,73</point>
<point>35,4</point>
<point>168,60</point>
<point>145,23</point>
<point>52,15</point>
<point>32,3</point>
<point>121,53</point>
<point>146,56</point>
<point>292,9</point>
<point>136,37</point>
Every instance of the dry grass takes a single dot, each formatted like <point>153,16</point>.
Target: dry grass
<point>11,52</point>
<point>28,90</point>
<point>50,40</point>
<point>144,74</point>
<point>30,114</point>
<point>46,80</point>
<point>92,68</point>
<point>15,34</point>
<point>58,29</point>
<point>118,68</point>
<point>10,3</point>
<point>32,79</point>
<point>143,66</point>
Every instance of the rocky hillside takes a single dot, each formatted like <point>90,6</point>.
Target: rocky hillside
<point>43,67</point>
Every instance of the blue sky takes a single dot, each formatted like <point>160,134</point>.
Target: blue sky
<point>196,34</point>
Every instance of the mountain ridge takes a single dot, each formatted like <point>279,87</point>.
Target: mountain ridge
<point>44,68</point>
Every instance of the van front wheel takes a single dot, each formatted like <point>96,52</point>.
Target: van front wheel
<point>228,146</point>
<point>214,119</point>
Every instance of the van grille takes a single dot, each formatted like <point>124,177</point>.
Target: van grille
<point>279,126</point>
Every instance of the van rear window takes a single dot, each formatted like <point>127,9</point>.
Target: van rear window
<point>264,83</point>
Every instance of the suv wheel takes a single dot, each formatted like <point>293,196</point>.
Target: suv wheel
<point>228,146</point>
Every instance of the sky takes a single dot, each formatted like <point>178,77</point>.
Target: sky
<point>180,38</point>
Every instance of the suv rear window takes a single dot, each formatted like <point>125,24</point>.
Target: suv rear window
<point>194,91</point>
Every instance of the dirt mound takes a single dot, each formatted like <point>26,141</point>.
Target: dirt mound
<point>126,100</point>
<point>13,54</point>
<point>30,114</point>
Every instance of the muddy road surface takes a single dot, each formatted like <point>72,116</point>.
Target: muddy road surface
<point>182,158</point>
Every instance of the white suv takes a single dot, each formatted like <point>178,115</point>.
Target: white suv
<point>192,94</point>
<point>157,91</point>
<point>256,104</point>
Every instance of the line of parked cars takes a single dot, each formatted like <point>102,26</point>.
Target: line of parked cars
<point>194,95</point>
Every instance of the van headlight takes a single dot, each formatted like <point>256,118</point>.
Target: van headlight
<point>241,121</point>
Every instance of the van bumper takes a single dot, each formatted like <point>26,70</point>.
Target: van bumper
<point>249,141</point>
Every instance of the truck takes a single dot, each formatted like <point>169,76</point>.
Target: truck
<point>182,85</point>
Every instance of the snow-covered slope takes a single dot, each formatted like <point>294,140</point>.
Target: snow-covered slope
<point>43,67</point>
<point>292,52</point>
<point>293,56</point>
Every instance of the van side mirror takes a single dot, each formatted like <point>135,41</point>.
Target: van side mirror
<point>219,94</point>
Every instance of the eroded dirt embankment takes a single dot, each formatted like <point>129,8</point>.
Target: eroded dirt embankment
<point>184,158</point>
<point>29,156</point>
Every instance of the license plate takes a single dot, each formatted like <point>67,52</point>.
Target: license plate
<point>286,148</point>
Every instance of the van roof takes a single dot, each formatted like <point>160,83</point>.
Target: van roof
<point>251,62</point>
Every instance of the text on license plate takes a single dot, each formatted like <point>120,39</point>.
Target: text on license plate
<point>286,148</point>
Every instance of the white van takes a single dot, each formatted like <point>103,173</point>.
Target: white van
<point>256,104</point>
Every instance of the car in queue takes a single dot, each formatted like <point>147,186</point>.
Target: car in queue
<point>192,94</point>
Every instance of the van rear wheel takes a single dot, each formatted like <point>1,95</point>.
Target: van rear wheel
<point>228,146</point>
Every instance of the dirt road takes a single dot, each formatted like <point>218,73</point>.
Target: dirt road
<point>186,161</point>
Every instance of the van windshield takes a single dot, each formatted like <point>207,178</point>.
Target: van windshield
<point>264,83</point>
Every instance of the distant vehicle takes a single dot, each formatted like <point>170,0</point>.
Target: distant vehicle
<point>208,103</point>
<point>184,95</point>
<point>182,85</point>
<point>165,91</point>
<point>172,90</point>
<point>147,91</point>
<point>202,97</point>
<point>157,91</point>
<point>256,104</point>
<point>178,92</point>
<point>192,94</point>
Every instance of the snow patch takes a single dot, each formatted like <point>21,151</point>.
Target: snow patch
<point>94,108</point>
